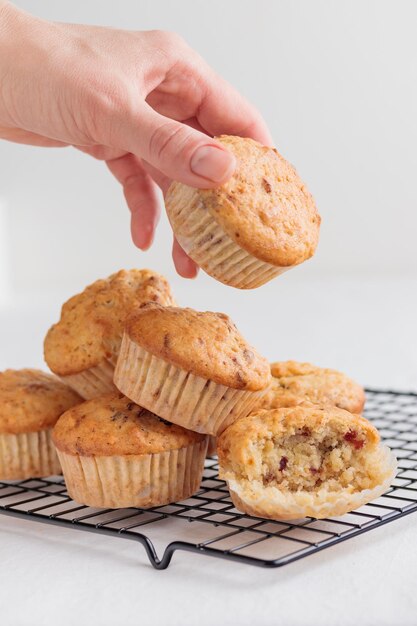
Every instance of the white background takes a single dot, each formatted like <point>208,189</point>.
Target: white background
<point>337,84</point>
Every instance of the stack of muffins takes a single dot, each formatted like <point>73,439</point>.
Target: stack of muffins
<point>142,386</point>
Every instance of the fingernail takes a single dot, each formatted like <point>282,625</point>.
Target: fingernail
<point>213,163</point>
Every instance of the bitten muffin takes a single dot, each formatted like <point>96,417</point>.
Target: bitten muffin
<point>82,348</point>
<point>294,383</point>
<point>260,223</point>
<point>116,454</point>
<point>304,461</point>
<point>31,401</point>
<point>192,368</point>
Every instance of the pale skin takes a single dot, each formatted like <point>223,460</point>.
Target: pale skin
<point>143,102</point>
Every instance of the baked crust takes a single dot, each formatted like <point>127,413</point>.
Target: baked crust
<point>294,382</point>
<point>91,325</point>
<point>234,445</point>
<point>204,343</point>
<point>265,207</point>
<point>114,425</point>
<point>31,400</point>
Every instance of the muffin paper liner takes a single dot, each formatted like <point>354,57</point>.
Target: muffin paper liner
<point>93,382</point>
<point>205,241</point>
<point>27,455</point>
<point>143,480</point>
<point>269,502</point>
<point>212,446</point>
<point>177,395</point>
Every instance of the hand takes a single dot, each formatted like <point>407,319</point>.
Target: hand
<point>143,102</point>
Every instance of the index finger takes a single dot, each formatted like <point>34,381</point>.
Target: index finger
<point>224,111</point>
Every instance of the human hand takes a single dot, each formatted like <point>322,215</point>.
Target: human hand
<point>143,102</point>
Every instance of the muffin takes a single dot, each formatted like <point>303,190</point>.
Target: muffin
<point>31,401</point>
<point>260,223</point>
<point>82,348</point>
<point>192,368</point>
<point>115,454</point>
<point>294,383</point>
<point>304,461</point>
<point>212,446</point>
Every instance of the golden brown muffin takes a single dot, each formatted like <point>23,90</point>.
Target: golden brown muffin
<point>31,401</point>
<point>192,368</point>
<point>293,383</point>
<point>255,226</point>
<point>116,454</point>
<point>304,461</point>
<point>82,348</point>
<point>212,446</point>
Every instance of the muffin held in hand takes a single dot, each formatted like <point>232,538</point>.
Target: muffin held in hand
<point>296,383</point>
<point>192,368</point>
<point>82,348</point>
<point>260,223</point>
<point>115,454</point>
<point>31,401</point>
<point>296,462</point>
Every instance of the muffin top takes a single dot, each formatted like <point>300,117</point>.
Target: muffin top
<point>91,325</point>
<point>294,382</point>
<point>31,400</point>
<point>203,343</point>
<point>235,444</point>
<point>264,207</point>
<point>113,425</point>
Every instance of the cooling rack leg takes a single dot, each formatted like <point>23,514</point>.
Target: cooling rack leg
<point>150,550</point>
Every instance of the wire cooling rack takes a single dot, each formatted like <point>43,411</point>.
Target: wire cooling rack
<point>209,524</point>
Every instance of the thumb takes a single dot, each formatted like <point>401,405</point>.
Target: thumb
<point>177,150</point>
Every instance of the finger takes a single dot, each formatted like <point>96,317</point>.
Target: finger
<point>223,110</point>
<point>194,123</point>
<point>160,179</point>
<point>140,193</point>
<point>177,150</point>
<point>220,109</point>
<point>183,264</point>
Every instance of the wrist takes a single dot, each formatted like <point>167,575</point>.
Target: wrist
<point>20,36</point>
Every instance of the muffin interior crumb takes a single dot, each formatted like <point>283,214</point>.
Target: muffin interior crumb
<point>328,458</point>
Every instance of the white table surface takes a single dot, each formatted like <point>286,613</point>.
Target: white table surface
<point>60,576</point>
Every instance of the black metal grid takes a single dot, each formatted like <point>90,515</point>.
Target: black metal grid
<point>209,524</point>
